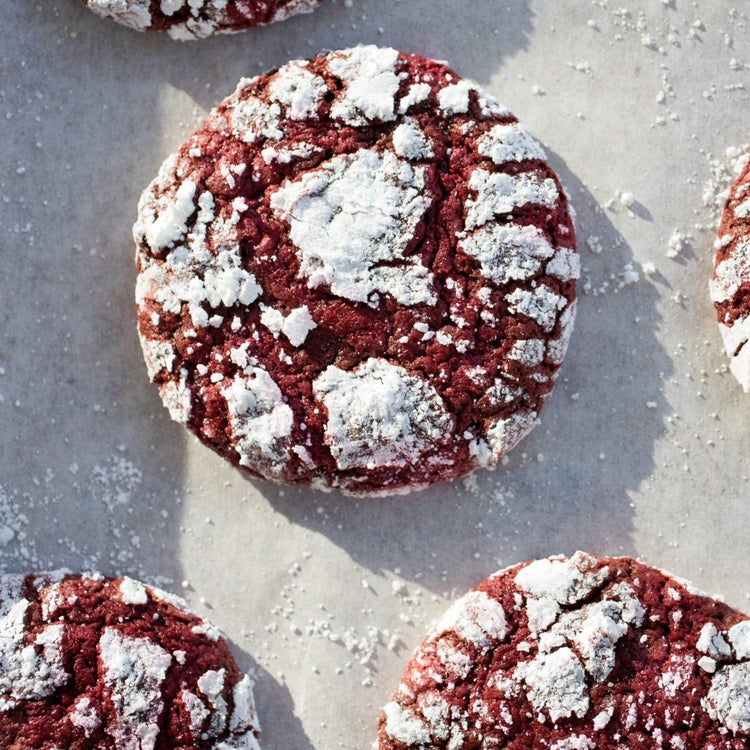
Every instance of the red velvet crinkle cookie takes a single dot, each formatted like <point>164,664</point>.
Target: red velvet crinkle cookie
<point>358,273</point>
<point>577,654</point>
<point>192,19</point>
<point>93,662</point>
<point>730,286</point>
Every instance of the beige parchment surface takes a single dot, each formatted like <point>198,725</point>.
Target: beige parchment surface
<point>643,449</point>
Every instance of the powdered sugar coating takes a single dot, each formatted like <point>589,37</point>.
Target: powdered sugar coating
<point>91,662</point>
<point>730,285</point>
<point>193,19</point>
<point>354,214</point>
<point>592,653</point>
<point>328,259</point>
<point>379,415</point>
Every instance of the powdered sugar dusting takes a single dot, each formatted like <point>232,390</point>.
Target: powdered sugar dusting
<point>134,669</point>
<point>542,305</point>
<point>566,581</point>
<point>298,90</point>
<point>476,618</point>
<point>379,415</point>
<point>261,420</point>
<point>454,99</point>
<point>500,193</point>
<point>728,699</point>
<point>133,13</point>
<point>508,251</point>
<point>503,434</point>
<point>371,83</point>
<point>355,212</point>
<point>556,683</point>
<point>85,716</point>
<point>510,142</point>
<point>26,674</point>
<point>404,726</point>
<point>133,592</point>
<point>731,274</point>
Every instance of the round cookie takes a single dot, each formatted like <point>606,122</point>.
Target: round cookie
<point>359,273</point>
<point>577,653</point>
<point>94,662</point>
<point>193,19</point>
<point>730,285</point>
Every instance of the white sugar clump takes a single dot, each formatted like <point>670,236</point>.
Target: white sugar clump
<point>416,94</point>
<point>410,142</point>
<point>574,742</point>
<point>295,326</point>
<point>134,670</point>
<point>542,305</point>
<point>404,726</point>
<point>508,251</point>
<point>352,214</point>
<point>133,592</point>
<point>379,415</point>
<point>735,339</point>
<point>253,119</point>
<point>477,618</point>
<point>556,684</point>
<point>567,581</point>
<point>26,672</point>
<point>85,716</point>
<point>370,84</point>
<point>261,421</point>
<point>500,193</point>
<point>162,222</point>
<point>512,142</point>
<point>454,98</point>
<point>196,709</point>
<point>731,273</point>
<point>556,348</point>
<point>596,628</point>
<point>298,90</point>
<point>243,722</point>
<point>195,276</point>
<point>133,13</point>
<point>159,355</point>
<point>712,643</point>
<point>177,397</point>
<point>728,699</point>
<point>529,352</point>
<point>739,637</point>
<point>565,265</point>
<point>503,434</point>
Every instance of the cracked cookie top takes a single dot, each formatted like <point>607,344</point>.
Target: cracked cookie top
<point>730,285</point>
<point>94,662</point>
<point>576,654</point>
<point>359,273</point>
<point>193,19</point>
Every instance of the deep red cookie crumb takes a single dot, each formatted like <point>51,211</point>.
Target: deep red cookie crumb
<point>730,285</point>
<point>359,273</point>
<point>578,653</point>
<point>191,19</point>
<point>101,663</point>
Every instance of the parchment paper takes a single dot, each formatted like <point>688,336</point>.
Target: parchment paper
<point>642,449</point>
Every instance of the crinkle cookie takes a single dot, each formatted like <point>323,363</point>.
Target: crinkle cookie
<point>577,653</point>
<point>192,19</point>
<point>730,286</point>
<point>101,663</point>
<point>359,273</point>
